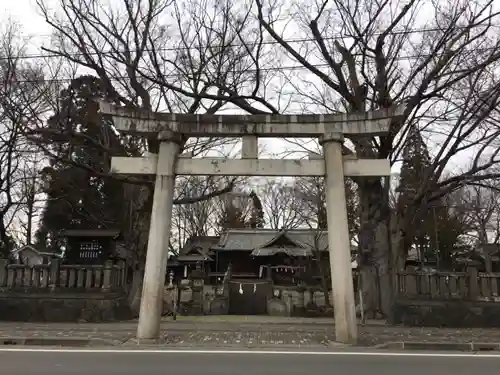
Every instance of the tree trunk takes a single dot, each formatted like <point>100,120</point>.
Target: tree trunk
<point>375,250</point>
<point>325,282</point>
<point>29,226</point>
<point>135,289</point>
<point>482,234</point>
<point>138,213</point>
<point>5,241</point>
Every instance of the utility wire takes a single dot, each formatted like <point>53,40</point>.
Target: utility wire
<point>270,69</point>
<point>249,44</point>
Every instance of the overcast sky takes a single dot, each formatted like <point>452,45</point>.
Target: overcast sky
<point>25,12</point>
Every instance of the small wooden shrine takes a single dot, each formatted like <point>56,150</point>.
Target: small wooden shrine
<point>282,256</point>
<point>89,246</point>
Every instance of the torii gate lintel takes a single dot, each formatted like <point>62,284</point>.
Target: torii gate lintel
<point>141,122</point>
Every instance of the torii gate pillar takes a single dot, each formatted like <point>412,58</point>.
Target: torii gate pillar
<point>159,233</point>
<point>339,244</point>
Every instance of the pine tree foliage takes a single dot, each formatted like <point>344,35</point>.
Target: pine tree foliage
<point>257,213</point>
<point>416,163</point>
<point>232,218</point>
<point>436,227</point>
<point>79,193</point>
<point>246,211</point>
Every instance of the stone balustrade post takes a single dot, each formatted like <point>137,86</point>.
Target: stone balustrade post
<point>54,273</point>
<point>123,273</point>
<point>311,295</point>
<point>107,280</point>
<point>473,282</point>
<point>3,272</point>
<point>301,298</point>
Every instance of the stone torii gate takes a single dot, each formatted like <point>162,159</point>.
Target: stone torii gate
<point>330,129</point>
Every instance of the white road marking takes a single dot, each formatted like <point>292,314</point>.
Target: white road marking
<point>260,352</point>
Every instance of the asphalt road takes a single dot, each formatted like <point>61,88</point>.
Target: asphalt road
<point>189,363</point>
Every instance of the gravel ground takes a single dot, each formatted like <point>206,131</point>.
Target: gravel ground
<point>248,332</point>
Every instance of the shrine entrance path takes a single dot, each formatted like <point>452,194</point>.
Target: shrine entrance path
<point>243,332</point>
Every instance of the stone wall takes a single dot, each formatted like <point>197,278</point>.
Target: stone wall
<point>211,303</point>
<point>452,314</point>
<point>63,307</point>
<point>291,296</point>
<point>313,303</point>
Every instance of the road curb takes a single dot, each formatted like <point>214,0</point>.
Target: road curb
<point>230,346</point>
<point>211,345</point>
<point>76,342</point>
<point>80,342</point>
<point>444,346</point>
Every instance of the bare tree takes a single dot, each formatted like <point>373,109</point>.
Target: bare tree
<point>481,206</point>
<point>199,218</point>
<point>310,201</point>
<point>279,203</point>
<point>353,56</point>
<point>147,59</point>
<point>180,56</point>
<point>21,92</point>
<point>30,200</point>
<point>309,195</point>
<point>366,55</point>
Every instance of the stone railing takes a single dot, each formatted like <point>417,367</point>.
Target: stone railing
<point>106,277</point>
<point>470,285</point>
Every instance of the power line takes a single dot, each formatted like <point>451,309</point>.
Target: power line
<point>394,32</point>
<point>273,42</point>
<point>269,69</point>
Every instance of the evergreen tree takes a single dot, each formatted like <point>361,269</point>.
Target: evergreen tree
<point>435,228</point>
<point>248,213</point>
<point>80,195</point>
<point>257,215</point>
<point>416,164</point>
<point>445,227</point>
<point>232,218</point>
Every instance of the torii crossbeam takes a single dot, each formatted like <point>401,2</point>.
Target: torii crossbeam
<point>330,129</point>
